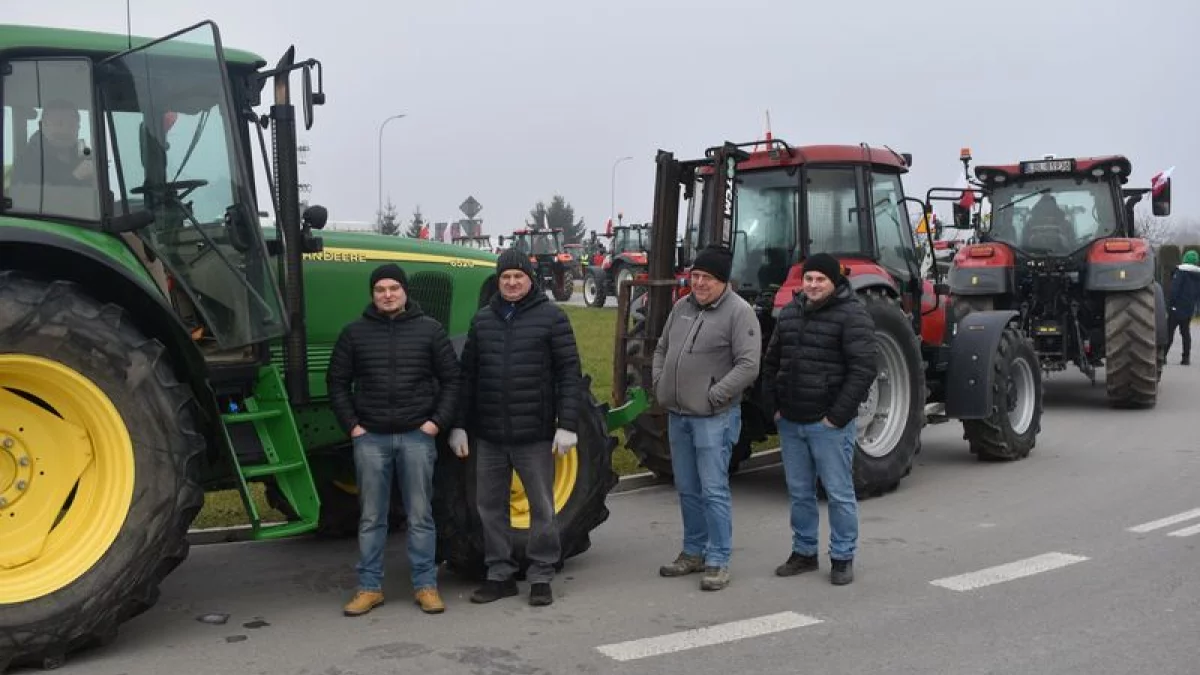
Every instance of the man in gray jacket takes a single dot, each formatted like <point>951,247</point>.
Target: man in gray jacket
<point>707,355</point>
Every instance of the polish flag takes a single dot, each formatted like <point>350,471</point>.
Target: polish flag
<point>608,228</point>
<point>424,231</point>
<point>1159,181</point>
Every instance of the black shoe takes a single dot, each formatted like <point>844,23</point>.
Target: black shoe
<point>1185,361</point>
<point>540,594</point>
<point>843,572</point>
<point>797,564</point>
<point>493,590</point>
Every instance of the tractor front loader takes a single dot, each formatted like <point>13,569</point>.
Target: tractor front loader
<point>776,206</point>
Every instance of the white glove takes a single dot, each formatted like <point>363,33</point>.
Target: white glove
<point>563,441</point>
<point>458,442</point>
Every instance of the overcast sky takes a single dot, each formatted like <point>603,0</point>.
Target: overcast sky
<point>512,102</point>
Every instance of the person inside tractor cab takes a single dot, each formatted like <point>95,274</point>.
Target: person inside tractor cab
<point>1048,226</point>
<point>55,154</point>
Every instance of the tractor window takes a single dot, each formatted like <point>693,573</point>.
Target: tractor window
<point>893,234</point>
<point>1052,217</point>
<point>833,208</point>
<point>49,152</point>
<point>764,240</point>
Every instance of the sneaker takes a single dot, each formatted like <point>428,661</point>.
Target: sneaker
<point>429,601</point>
<point>684,564</point>
<point>493,590</point>
<point>363,602</point>
<point>540,594</point>
<point>715,578</point>
<point>843,572</point>
<point>797,564</point>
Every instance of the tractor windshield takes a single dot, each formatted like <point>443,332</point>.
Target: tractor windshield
<point>630,240</point>
<point>170,126</point>
<point>765,225</point>
<point>1052,217</point>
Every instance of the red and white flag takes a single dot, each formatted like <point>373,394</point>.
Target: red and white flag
<point>1159,181</point>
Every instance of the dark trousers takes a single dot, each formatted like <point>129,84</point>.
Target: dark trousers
<point>534,464</point>
<point>1184,324</point>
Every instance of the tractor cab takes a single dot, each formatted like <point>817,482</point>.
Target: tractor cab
<point>481,242</point>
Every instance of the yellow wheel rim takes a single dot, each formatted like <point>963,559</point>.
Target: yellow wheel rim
<point>66,476</point>
<point>566,472</point>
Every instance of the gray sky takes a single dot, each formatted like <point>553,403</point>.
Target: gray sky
<point>513,102</point>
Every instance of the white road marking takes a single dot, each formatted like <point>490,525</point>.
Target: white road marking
<point>1008,571</point>
<point>1166,522</point>
<point>1185,532</point>
<point>709,635</point>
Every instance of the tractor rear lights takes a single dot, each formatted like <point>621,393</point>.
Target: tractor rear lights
<point>1118,246</point>
<point>981,252</point>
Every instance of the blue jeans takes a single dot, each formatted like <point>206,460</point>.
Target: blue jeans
<point>409,458</point>
<point>817,450</point>
<point>700,451</point>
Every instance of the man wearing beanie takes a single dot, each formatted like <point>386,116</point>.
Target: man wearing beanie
<point>393,384</point>
<point>522,388</point>
<point>818,369</point>
<point>1185,300</point>
<point>707,355</point>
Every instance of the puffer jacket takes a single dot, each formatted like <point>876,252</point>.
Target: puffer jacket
<point>820,362</point>
<point>391,375</point>
<point>521,372</point>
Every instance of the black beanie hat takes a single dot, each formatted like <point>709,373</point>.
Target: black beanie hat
<point>825,264</point>
<point>716,260</point>
<point>389,271</point>
<point>512,259</point>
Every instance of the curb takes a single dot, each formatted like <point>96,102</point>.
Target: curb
<point>630,483</point>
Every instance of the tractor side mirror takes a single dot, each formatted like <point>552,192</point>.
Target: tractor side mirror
<point>1160,201</point>
<point>962,217</point>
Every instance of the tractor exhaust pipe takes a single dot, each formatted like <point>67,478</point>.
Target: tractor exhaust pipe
<point>295,343</point>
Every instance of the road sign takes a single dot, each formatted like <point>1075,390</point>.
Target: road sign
<point>470,207</point>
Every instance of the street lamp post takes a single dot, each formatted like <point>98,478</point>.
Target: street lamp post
<point>379,213</point>
<point>612,203</point>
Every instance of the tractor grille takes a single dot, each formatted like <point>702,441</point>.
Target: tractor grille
<point>434,291</point>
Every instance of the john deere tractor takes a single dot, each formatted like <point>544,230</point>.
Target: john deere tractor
<point>156,342</point>
<point>1060,249</point>
<point>776,206</point>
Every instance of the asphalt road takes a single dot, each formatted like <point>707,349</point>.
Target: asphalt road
<point>968,568</point>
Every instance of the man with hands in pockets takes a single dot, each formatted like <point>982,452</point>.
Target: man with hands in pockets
<point>393,384</point>
<point>521,395</point>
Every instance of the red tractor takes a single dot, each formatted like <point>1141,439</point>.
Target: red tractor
<point>1059,248</point>
<point>626,258</point>
<point>551,261</point>
<point>774,208</point>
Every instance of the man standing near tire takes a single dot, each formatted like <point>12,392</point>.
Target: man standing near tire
<point>1185,297</point>
<point>817,371</point>
<point>707,356</point>
<point>393,384</point>
<point>521,395</point>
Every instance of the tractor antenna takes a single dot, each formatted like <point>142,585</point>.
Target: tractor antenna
<point>128,24</point>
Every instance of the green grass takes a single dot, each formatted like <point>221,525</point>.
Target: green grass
<point>594,334</point>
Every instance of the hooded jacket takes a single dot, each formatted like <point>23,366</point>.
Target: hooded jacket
<point>1185,291</point>
<point>391,375</point>
<point>521,372</point>
<point>820,362</point>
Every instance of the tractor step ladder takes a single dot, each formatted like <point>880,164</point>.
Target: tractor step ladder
<point>268,410</point>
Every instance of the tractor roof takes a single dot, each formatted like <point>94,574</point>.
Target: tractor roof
<point>1051,166</point>
<point>42,40</point>
<point>782,154</point>
<point>556,230</point>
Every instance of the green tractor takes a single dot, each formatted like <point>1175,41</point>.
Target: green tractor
<point>156,342</point>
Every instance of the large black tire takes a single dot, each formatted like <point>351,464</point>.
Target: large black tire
<point>594,292</point>
<point>647,436</point>
<point>460,537</point>
<point>1010,431</point>
<point>565,286</point>
<point>881,463</point>
<point>59,321</point>
<point>1131,352</point>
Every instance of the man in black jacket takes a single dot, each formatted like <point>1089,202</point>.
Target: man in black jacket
<point>818,369</point>
<point>521,395</point>
<point>393,384</point>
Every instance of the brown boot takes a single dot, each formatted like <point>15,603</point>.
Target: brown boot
<point>363,602</point>
<point>429,601</point>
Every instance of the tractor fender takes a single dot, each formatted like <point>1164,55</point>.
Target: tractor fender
<point>982,269</point>
<point>1119,264</point>
<point>860,282</point>
<point>972,351</point>
<point>45,253</point>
